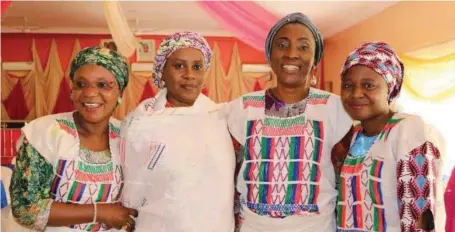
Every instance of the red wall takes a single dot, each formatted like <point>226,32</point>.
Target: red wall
<point>17,47</point>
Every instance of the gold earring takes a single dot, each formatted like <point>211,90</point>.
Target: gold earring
<point>314,81</point>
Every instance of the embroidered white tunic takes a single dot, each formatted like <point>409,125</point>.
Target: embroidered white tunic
<point>77,178</point>
<point>287,180</point>
<point>388,188</point>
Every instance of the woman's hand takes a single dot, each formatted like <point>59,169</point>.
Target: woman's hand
<point>117,216</point>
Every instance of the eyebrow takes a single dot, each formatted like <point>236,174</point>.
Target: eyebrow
<point>301,38</point>
<point>97,78</point>
<point>368,79</point>
<point>344,78</point>
<point>189,61</point>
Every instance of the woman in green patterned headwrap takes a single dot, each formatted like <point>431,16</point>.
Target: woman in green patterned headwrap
<point>68,174</point>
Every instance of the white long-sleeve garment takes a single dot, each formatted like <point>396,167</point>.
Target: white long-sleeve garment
<point>179,166</point>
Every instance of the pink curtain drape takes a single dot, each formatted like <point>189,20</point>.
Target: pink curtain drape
<point>248,21</point>
<point>5,4</point>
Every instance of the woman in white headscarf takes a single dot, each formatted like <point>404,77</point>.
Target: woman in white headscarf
<point>178,155</point>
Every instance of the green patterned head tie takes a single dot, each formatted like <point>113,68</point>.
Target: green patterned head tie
<point>108,59</point>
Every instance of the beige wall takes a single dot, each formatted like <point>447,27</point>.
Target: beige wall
<point>406,26</point>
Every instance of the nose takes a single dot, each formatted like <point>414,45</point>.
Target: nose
<point>189,73</point>
<point>90,91</point>
<point>292,52</point>
<point>357,92</point>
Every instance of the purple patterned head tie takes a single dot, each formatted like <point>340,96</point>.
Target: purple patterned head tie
<point>175,42</point>
<point>380,57</point>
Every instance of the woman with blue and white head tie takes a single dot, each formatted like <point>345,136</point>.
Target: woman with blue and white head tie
<point>286,181</point>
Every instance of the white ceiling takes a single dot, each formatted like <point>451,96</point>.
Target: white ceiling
<point>160,17</point>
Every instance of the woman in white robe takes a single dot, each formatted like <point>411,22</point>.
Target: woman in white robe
<point>177,151</point>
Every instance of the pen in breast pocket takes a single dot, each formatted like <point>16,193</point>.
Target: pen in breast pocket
<point>155,152</point>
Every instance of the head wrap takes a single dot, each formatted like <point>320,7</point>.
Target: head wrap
<point>176,42</point>
<point>380,57</point>
<point>295,18</point>
<point>108,59</point>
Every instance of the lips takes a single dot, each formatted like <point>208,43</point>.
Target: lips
<point>357,106</point>
<point>189,87</point>
<point>290,67</point>
<point>90,106</point>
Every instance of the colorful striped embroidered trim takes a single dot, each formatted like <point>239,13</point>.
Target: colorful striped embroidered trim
<point>104,191</point>
<point>385,132</point>
<point>341,216</point>
<point>392,123</point>
<point>288,209</point>
<point>318,134</point>
<point>342,191</point>
<point>293,195</point>
<point>281,158</point>
<point>355,190</point>
<point>287,131</point>
<point>90,177</point>
<point>357,199</point>
<point>114,131</point>
<point>376,168</point>
<point>253,101</point>
<point>253,127</point>
<point>76,191</point>
<point>61,166</point>
<point>94,172</point>
<point>94,227</point>
<point>95,168</point>
<point>296,148</point>
<point>271,171</point>
<point>284,126</point>
<point>89,227</point>
<point>297,168</point>
<point>67,126</point>
<point>313,194</point>
<point>318,98</point>
<point>375,192</point>
<point>379,224</point>
<point>353,165</point>
<point>284,122</point>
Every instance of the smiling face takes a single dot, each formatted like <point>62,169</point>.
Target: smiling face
<point>184,75</point>
<point>292,55</point>
<point>364,93</point>
<point>95,92</point>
